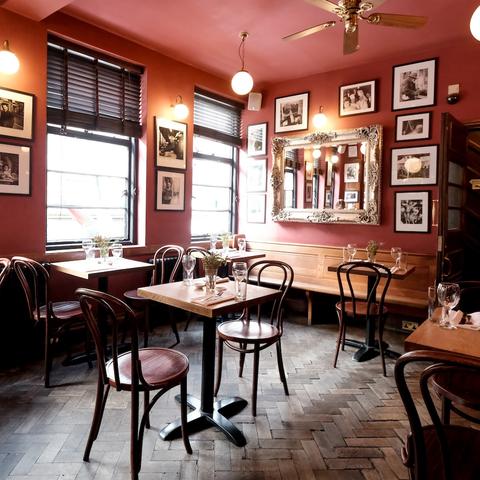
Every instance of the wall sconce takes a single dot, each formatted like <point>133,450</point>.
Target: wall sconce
<point>341,149</point>
<point>334,159</point>
<point>453,94</point>
<point>316,153</point>
<point>475,24</point>
<point>319,119</point>
<point>9,63</point>
<point>363,148</point>
<point>242,81</point>
<point>180,110</point>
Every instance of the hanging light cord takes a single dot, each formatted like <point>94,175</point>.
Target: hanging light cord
<point>241,49</point>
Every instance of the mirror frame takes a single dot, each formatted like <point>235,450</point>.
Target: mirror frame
<point>372,135</point>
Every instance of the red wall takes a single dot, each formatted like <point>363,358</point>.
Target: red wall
<point>457,63</point>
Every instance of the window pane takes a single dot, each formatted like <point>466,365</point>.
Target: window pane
<point>211,147</point>
<point>210,198</point>
<point>205,223</point>
<point>210,172</point>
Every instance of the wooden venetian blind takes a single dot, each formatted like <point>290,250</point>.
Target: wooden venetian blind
<point>91,92</point>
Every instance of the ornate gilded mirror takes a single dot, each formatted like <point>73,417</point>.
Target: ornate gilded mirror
<point>328,177</point>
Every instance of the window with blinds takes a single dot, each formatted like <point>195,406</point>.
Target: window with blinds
<point>91,92</point>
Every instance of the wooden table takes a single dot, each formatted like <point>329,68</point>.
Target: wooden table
<point>430,336</point>
<point>369,348</point>
<point>207,412</point>
<point>88,269</point>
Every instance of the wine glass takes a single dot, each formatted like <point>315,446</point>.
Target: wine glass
<point>351,250</point>
<point>239,271</point>
<point>432,300</point>
<point>188,262</point>
<point>396,253</point>
<point>213,241</point>
<point>241,244</point>
<point>87,245</point>
<point>448,296</point>
<point>117,250</point>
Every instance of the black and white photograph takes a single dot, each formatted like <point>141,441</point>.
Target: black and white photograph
<point>414,84</point>
<point>413,127</point>
<point>14,169</point>
<point>351,196</point>
<point>414,166</point>
<point>257,175</point>
<point>170,190</point>
<point>329,174</point>
<point>352,171</point>
<point>291,113</point>
<point>171,140</point>
<point>308,191</point>
<point>412,212</point>
<point>257,139</point>
<point>357,98</point>
<point>16,114</point>
<point>256,207</point>
<point>328,199</point>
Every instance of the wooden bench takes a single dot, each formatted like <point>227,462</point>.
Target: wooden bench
<point>310,264</point>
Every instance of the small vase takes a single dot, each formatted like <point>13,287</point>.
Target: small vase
<point>210,279</point>
<point>103,254</point>
<point>371,257</point>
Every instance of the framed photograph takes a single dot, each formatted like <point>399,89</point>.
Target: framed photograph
<point>357,98</point>
<point>308,191</point>
<point>414,84</point>
<point>352,151</point>
<point>413,127</point>
<point>352,172</point>
<point>16,114</point>
<point>351,196</point>
<point>414,165</point>
<point>15,176</point>
<point>170,143</point>
<point>328,199</point>
<point>329,174</point>
<point>170,190</point>
<point>257,175</point>
<point>257,139</point>
<point>412,212</point>
<point>291,113</point>
<point>256,203</point>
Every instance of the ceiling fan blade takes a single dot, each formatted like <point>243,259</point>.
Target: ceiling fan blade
<point>350,41</point>
<point>309,31</point>
<point>325,4</point>
<point>396,20</point>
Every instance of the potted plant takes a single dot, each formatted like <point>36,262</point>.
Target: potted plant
<point>103,244</point>
<point>372,248</point>
<point>225,238</point>
<point>211,261</point>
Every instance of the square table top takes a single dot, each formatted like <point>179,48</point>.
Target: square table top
<point>397,274</point>
<point>179,295</point>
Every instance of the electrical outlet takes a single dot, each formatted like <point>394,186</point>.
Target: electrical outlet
<point>410,326</point>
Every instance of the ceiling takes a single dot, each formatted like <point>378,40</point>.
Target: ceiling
<point>205,33</point>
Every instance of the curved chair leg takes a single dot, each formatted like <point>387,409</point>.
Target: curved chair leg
<point>281,370</point>
<point>380,345</point>
<point>135,445</point>
<point>183,415</point>
<point>146,401</point>
<point>219,366</point>
<point>256,361</point>
<point>242,359</point>
<point>446,405</point>
<point>340,338</point>
<point>146,325</point>
<point>48,357</point>
<point>174,326</point>
<point>189,317</point>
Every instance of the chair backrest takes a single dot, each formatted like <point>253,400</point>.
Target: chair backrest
<point>4,269</point>
<point>33,277</point>
<point>164,257</point>
<point>376,295</point>
<point>469,296</point>
<point>107,317</point>
<point>274,274</point>
<point>199,253</point>
<point>443,362</point>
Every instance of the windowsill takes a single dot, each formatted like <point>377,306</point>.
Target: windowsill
<point>130,251</point>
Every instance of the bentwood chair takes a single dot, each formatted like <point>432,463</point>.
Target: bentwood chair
<point>460,393</point>
<point>58,317</point>
<point>252,334</point>
<point>436,451</point>
<point>353,309</point>
<point>4,269</point>
<point>138,370</point>
<point>162,260</point>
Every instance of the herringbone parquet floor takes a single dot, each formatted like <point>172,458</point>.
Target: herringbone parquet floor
<point>343,424</point>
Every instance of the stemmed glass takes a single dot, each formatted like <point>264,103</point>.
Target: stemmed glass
<point>396,253</point>
<point>351,250</point>
<point>213,241</point>
<point>117,250</point>
<point>239,271</point>
<point>188,262</point>
<point>448,296</point>
<point>87,245</point>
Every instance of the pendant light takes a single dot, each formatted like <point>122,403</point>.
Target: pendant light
<point>242,81</point>
<point>9,63</point>
<point>475,24</point>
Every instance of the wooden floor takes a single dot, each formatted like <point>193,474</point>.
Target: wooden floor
<point>343,423</point>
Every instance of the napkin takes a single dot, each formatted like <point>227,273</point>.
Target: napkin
<point>213,299</point>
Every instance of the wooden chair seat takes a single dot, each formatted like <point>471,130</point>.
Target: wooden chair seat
<point>62,310</point>
<point>160,367</point>
<point>253,332</point>
<point>361,308</point>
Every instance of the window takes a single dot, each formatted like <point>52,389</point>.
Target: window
<point>290,179</point>
<point>93,113</point>
<point>215,158</point>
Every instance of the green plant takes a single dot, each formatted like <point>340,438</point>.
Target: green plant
<point>213,260</point>
<point>102,243</point>
<point>225,237</point>
<point>372,247</point>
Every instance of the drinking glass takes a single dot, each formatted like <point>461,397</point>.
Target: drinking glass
<point>87,246</point>
<point>396,253</point>
<point>448,296</point>
<point>241,244</point>
<point>432,301</point>
<point>403,261</point>
<point>351,250</point>
<point>188,262</point>
<point>117,250</point>
<point>213,242</point>
<point>239,271</point>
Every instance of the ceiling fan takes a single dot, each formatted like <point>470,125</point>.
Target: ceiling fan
<point>350,12</point>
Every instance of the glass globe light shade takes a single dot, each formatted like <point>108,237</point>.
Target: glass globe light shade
<point>317,153</point>
<point>319,120</point>
<point>413,165</point>
<point>9,63</point>
<point>242,82</point>
<point>363,148</point>
<point>334,159</point>
<point>180,111</point>
<point>475,24</point>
